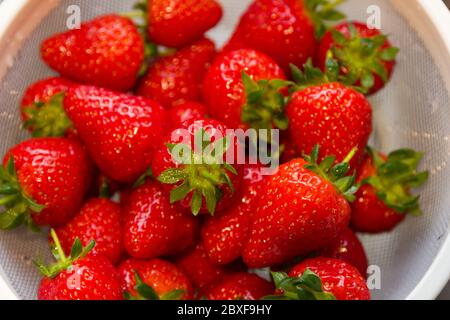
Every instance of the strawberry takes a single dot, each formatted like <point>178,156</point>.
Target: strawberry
<point>329,114</point>
<point>286,30</point>
<point>348,248</point>
<point>366,57</point>
<point>154,280</point>
<point>225,235</point>
<point>384,198</point>
<point>238,286</point>
<point>178,78</point>
<point>154,228</point>
<point>199,268</point>
<point>120,131</point>
<point>301,208</point>
<point>106,52</point>
<point>98,220</point>
<point>242,89</point>
<point>42,108</point>
<point>81,276</point>
<point>177,23</point>
<point>43,181</point>
<point>338,280</point>
<point>187,111</point>
<point>193,165</point>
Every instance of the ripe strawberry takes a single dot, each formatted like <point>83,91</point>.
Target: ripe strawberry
<point>43,181</point>
<point>99,220</point>
<point>154,280</point>
<point>225,235</point>
<point>332,115</point>
<point>242,89</point>
<point>286,30</point>
<point>302,208</point>
<point>178,78</point>
<point>42,108</point>
<point>365,56</point>
<point>384,198</point>
<point>81,276</point>
<point>177,23</point>
<point>193,165</point>
<point>106,52</point>
<point>154,228</point>
<point>348,248</point>
<point>339,278</point>
<point>238,286</point>
<point>120,131</point>
<point>187,111</point>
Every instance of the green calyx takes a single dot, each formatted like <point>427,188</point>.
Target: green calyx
<point>48,119</point>
<point>145,292</point>
<point>306,287</point>
<point>312,76</point>
<point>265,105</point>
<point>62,261</point>
<point>19,206</point>
<point>395,177</point>
<point>337,174</point>
<point>203,173</point>
<point>322,12</point>
<point>361,58</point>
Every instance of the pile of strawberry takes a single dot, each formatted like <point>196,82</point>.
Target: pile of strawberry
<point>108,125</point>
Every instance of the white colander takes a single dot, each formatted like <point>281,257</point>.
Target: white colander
<point>413,111</point>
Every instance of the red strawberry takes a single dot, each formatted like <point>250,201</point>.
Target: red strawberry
<point>81,276</point>
<point>187,111</point>
<point>42,108</point>
<point>239,286</point>
<point>286,30</point>
<point>242,89</point>
<point>199,268</point>
<point>44,181</point>
<point>176,23</point>
<point>153,280</point>
<point>348,248</point>
<point>152,227</point>
<point>106,52</point>
<point>98,220</point>
<point>225,235</point>
<point>302,208</point>
<point>289,150</point>
<point>384,198</point>
<point>366,58</point>
<point>120,131</point>
<point>178,78</point>
<point>332,115</point>
<point>339,278</point>
<point>198,180</point>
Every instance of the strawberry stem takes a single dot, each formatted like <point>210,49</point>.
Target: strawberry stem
<point>62,256</point>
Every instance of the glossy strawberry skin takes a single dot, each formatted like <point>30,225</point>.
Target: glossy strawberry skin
<point>279,28</point>
<point>338,277</point>
<point>178,78</point>
<point>223,90</point>
<point>55,172</point>
<point>153,227</point>
<point>177,23</point>
<point>90,278</point>
<point>328,43</point>
<point>369,213</point>
<point>224,236</point>
<point>239,286</point>
<point>106,52</point>
<point>187,111</point>
<point>99,220</point>
<point>298,212</point>
<point>334,116</point>
<point>162,276</point>
<point>348,248</point>
<point>120,131</point>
